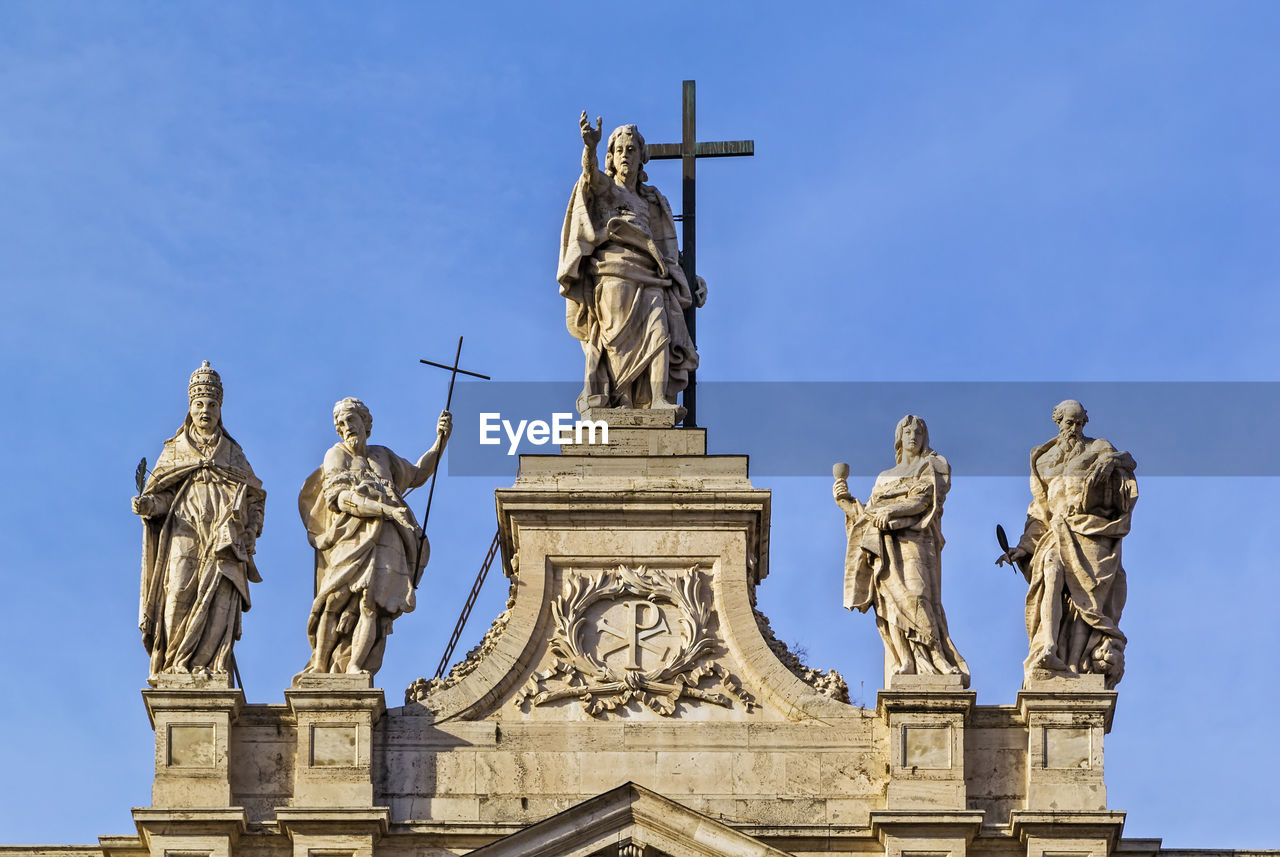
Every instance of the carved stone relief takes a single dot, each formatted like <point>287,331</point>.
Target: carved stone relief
<point>629,634</point>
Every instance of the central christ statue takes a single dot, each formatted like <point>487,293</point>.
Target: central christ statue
<point>620,275</point>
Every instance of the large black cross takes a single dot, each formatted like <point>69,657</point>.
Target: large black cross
<point>688,150</point>
<point>454,371</point>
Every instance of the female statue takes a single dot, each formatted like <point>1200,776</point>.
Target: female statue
<point>893,562</point>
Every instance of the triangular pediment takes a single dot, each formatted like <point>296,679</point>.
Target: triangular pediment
<point>629,821</point>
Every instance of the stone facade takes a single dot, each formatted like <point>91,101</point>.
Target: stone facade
<point>628,704</point>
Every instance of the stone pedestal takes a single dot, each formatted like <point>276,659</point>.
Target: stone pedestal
<point>1066,719</point>
<point>192,721</point>
<point>327,832</point>
<point>632,432</point>
<point>937,833</point>
<point>204,832</point>
<point>1067,834</point>
<point>335,714</point>
<point>926,717</point>
<point>332,811</point>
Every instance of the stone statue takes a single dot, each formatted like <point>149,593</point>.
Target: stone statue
<point>1082,497</point>
<point>621,279</point>
<point>370,550</point>
<point>893,562</point>
<point>202,513</point>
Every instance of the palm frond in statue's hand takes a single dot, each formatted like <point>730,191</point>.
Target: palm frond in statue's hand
<point>140,475</point>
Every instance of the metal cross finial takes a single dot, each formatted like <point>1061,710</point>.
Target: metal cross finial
<point>688,150</point>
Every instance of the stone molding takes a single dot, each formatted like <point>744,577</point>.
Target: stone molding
<point>1104,827</point>
<point>334,820</point>
<point>956,824</point>
<point>628,815</point>
<point>1082,694</point>
<point>927,697</point>
<point>213,831</point>
<point>193,699</point>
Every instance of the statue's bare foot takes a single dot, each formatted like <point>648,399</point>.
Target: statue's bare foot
<point>661,404</point>
<point>945,668</point>
<point>1051,662</point>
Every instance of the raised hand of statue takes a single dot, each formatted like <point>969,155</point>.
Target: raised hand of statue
<point>590,136</point>
<point>840,490</point>
<point>444,428</point>
<point>848,503</point>
<point>144,506</point>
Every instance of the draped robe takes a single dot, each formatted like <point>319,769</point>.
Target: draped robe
<point>360,560</point>
<point>1074,527</point>
<point>625,292</point>
<point>197,557</point>
<point>898,571</point>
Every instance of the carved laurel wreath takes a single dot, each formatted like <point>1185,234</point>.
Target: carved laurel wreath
<point>577,673</point>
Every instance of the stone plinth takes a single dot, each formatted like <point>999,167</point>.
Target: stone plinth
<point>932,832</point>
<point>207,832</point>
<point>192,721</point>
<point>1078,834</point>
<point>335,715</point>
<point>320,830</point>
<point>634,432</point>
<point>1066,720</point>
<point>926,717</point>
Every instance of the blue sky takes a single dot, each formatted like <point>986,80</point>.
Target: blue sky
<point>313,196</point>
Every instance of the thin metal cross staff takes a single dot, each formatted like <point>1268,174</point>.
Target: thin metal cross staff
<point>454,371</point>
<point>688,150</point>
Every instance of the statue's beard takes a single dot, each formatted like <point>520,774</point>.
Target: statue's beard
<point>1069,444</point>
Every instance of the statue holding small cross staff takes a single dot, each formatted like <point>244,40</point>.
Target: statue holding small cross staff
<point>370,550</point>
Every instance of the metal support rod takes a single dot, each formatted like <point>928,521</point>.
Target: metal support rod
<point>471,602</point>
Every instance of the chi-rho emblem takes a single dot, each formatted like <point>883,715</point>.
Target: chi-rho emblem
<point>632,634</point>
